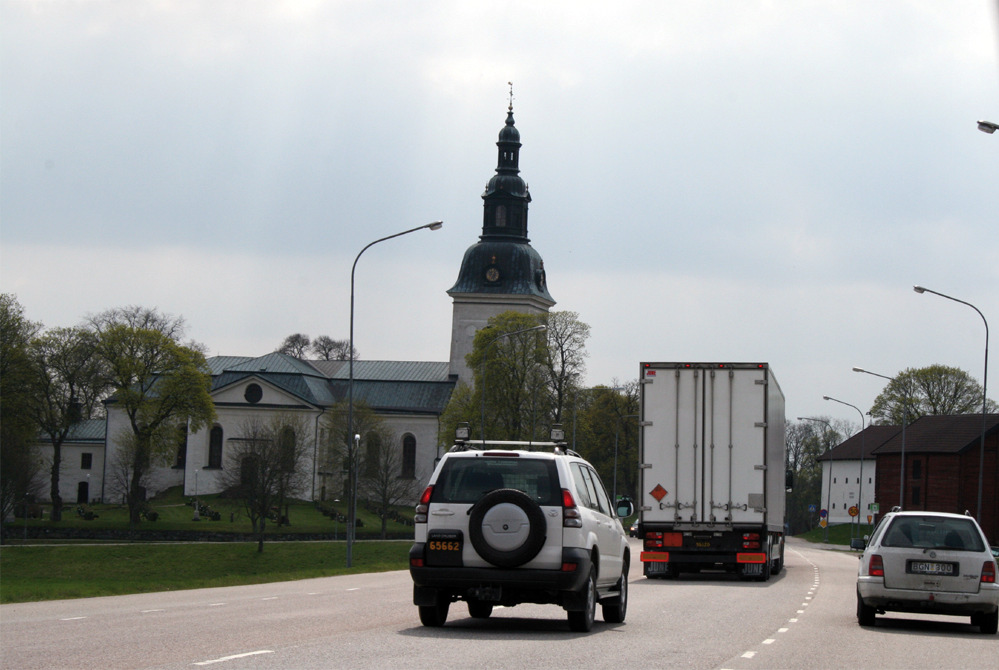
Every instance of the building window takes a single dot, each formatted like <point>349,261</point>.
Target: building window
<point>253,394</point>
<point>372,455</point>
<point>917,469</point>
<point>834,480</point>
<point>86,461</point>
<point>287,443</point>
<point>408,457</point>
<point>915,495</point>
<point>215,447</point>
<point>181,446</point>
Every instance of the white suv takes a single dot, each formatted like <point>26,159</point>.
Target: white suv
<point>501,526</point>
<point>930,562</point>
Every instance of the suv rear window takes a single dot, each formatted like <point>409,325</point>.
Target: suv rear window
<point>466,480</point>
<point>933,532</point>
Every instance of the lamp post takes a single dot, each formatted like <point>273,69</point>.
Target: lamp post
<point>905,420</point>
<point>985,374</point>
<point>482,370</point>
<point>986,127</point>
<point>616,434</point>
<point>860,492</point>
<point>352,475</point>
<point>829,488</point>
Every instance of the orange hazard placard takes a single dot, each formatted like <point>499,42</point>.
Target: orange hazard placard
<point>658,493</point>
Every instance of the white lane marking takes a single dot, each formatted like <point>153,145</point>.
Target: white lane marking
<point>356,588</point>
<point>270,598</point>
<point>150,611</point>
<point>73,618</point>
<point>771,641</point>
<point>749,654</point>
<point>782,630</point>
<point>217,605</point>
<point>792,620</point>
<point>234,657</point>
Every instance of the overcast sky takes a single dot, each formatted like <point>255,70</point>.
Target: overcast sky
<point>711,181</point>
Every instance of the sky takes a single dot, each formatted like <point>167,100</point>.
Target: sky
<point>711,181</point>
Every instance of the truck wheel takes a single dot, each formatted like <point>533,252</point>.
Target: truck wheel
<point>507,528</point>
<point>435,615</point>
<point>582,621</point>
<point>616,608</point>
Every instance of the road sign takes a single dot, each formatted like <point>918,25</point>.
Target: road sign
<point>823,513</point>
<point>812,508</point>
<point>854,510</point>
<point>823,523</point>
<point>875,508</point>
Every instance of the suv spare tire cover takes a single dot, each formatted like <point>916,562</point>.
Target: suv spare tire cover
<point>507,528</point>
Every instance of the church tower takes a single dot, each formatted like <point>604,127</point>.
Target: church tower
<point>502,271</point>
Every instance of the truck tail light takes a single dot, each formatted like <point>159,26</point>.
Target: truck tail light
<point>423,507</point>
<point>876,568</point>
<point>750,540</point>
<point>989,572</point>
<point>570,513</point>
<point>653,540</point>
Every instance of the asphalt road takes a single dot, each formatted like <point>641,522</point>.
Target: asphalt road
<point>803,618</point>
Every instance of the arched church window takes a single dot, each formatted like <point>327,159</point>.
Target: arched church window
<point>408,457</point>
<point>501,216</point>
<point>215,438</point>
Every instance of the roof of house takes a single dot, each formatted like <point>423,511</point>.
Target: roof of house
<point>88,430</point>
<point>870,439</point>
<point>946,434</point>
<point>385,386</point>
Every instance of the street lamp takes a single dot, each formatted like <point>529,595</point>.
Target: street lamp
<point>352,476</point>
<point>985,374</point>
<point>905,420</point>
<point>829,488</point>
<point>860,493</point>
<point>985,127</point>
<point>482,370</point>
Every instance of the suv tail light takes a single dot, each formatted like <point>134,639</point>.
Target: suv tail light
<point>989,572</point>
<point>423,507</point>
<point>876,568</point>
<point>570,513</point>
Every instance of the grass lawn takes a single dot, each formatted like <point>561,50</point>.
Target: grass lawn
<point>838,534</point>
<point>72,571</point>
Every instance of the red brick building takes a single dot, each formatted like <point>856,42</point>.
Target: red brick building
<point>942,455</point>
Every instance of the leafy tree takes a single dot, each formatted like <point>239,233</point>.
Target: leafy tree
<point>933,390</point>
<point>511,370</point>
<point>296,345</point>
<point>156,381</point>
<point>265,466</point>
<point>328,349</point>
<point>69,383</point>
<point>339,455</point>
<point>608,421</point>
<point>19,464</point>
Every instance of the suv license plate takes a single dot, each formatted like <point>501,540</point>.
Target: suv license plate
<point>444,548</point>
<point>930,568</point>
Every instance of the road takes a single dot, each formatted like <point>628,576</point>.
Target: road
<point>803,618</point>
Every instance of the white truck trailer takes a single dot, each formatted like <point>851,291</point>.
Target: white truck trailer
<point>711,469</point>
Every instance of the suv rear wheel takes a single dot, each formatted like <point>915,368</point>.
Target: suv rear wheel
<point>435,615</point>
<point>479,610</point>
<point>582,621</point>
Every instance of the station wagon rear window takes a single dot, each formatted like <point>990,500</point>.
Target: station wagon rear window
<point>933,532</point>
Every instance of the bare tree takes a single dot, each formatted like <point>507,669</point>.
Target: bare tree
<point>328,349</point>
<point>384,484</point>
<point>296,345</point>
<point>266,465</point>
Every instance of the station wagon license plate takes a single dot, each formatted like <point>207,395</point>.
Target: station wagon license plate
<point>931,568</point>
<point>444,548</point>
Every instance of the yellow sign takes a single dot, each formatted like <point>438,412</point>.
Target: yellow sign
<point>854,510</point>
<point>823,523</point>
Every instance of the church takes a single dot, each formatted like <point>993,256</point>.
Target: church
<point>499,273</point>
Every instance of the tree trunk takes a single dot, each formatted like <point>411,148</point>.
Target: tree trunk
<point>54,481</point>
<point>260,536</point>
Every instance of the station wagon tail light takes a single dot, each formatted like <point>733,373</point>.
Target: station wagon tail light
<point>989,572</point>
<point>570,513</point>
<point>423,507</point>
<point>876,568</point>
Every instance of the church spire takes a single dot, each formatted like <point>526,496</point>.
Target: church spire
<point>506,196</point>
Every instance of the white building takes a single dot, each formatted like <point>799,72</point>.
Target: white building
<point>849,480</point>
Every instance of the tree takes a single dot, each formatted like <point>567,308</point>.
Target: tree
<point>296,345</point>
<point>328,349</point>
<point>514,381</point>
<point>383,483</point>
<point>607,418</point>
<point>265,466</point>
<point>567,337</point>
<point>341,455</point>
<point>69,383</point>
<point>157,382</point>
<point>933,390</point>
<point>19,464</point>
